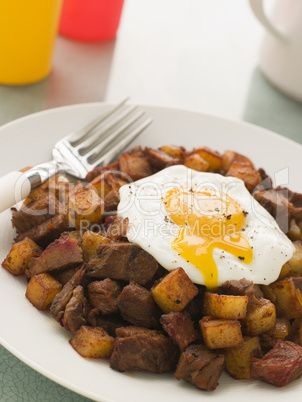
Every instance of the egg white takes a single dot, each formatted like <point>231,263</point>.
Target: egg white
<point>150,227</point>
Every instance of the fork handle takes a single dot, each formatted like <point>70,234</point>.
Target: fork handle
<point>16,186</point>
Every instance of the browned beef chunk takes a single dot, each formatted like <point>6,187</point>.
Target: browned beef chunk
<point>65,275</point>
<point>137,348</point>
<point>282,203</point>
<point>122,261</point>
<point>36,213</point>
<point>258,293</point>
<point>248,174</point>
<point>46,232</point>
<point>297,280</point>
<point>59,302</point>
<point>116,227</point>
<point>62,253</point>
<point>109,323</point>
<point>111,201</point>
<point>280,365</point>
<point>114,167</point>
<point>135,166</point>
<point>297,214</point>
<point>103,295</point>
<point>296,200</point>
<point>160,273</point>
<point>193,308</point>
<point>243,287</point>
<point>277,205</point>
<point>159,159</point>
<point>137,306</point>
<point>267,342</point>
<point>200,367</point>
<point>291,196</point>
<point>180,328</point>
<point>266,181</point>
<point>76,311</point>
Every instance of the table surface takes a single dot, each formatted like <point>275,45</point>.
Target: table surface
<point>196,54</point>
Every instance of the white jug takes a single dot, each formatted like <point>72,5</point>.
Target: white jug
<point>281,50</point>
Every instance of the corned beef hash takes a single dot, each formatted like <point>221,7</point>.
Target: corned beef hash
<point>170,260</point>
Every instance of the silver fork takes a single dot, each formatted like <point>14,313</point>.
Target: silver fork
<point>96,144</point>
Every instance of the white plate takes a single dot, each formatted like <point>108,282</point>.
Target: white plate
<point>38,340</point>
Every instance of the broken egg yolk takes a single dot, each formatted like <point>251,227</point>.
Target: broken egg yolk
<point>207,219</point>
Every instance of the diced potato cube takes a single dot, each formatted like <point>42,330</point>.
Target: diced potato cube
<point>33,196</point>
<point>176,152</point>
<point>248,174</point>
<point>218,333</point>
<point>229,157</point>
<point>59,185</point>
<point>18,258</point>
<point>282,328</point>
<point>268,293</point>
<point>288,298</point>
<point>238,359</point>
<point>101,184</point>
<point>90,241</point>
<point>299,294</point>
<point>174,291</point>
<point>105,183</point>
<point>260,317</point>
<point>196,162</point>
<point>295,324</point>
<point>212,157</point>
<point>295,262</point>
<point>285,271</point>
<point>225,306</point>
<point>74,234</point>
<point>92,342</point>
<point>41,290</point>
<point>294,231</point>
<point>84,204</point>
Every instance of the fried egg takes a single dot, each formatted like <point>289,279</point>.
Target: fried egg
<point>205,223</point>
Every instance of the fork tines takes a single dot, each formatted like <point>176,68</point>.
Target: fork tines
<point>102,140</point>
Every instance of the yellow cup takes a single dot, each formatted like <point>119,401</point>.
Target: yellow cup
<point>28,30</point>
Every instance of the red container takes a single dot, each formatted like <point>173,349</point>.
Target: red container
<point>90,20</point>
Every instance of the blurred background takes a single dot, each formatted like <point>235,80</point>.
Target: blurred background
<point>195,54</point>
